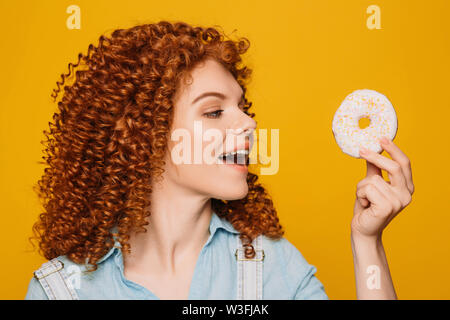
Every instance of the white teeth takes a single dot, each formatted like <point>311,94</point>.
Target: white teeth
<point>245,151</point>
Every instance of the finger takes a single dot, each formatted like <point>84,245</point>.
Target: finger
<point>399,197</point>
<point>398,155</point>
<point>392,167</point>
<point>372,170</point>
<point>368,180</point>
<point>379,182</point>
<point>379,204</point>
<point>388,192</point>
<point>364,202</point>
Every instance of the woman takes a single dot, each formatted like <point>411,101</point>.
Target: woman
<point>113,175</point>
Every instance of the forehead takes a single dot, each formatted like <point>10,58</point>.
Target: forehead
<point>209,75</point>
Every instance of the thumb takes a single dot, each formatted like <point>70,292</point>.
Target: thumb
<point>372,170</point>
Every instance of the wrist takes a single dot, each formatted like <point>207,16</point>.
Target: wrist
<point>366,241</point>
<point>366,250</point>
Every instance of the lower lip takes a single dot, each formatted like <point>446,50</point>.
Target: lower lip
<point>239,167</point>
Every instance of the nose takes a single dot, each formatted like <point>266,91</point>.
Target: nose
<point>244,128</point>
<point>245,124</point>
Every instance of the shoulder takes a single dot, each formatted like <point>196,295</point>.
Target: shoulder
<point>284,254</point>
<point>35,291</point>
<point>73,272</point>
<point>35,287</point>
<point>282,258</point>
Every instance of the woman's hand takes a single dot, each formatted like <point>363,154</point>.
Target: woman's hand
<point>379,201</point>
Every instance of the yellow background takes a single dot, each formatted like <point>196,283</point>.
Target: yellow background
<point>307,56</point>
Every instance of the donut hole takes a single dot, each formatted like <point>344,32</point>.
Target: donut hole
<point>364,122</point>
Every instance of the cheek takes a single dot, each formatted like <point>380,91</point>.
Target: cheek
<point>213,181</point>
<point>222,182</point>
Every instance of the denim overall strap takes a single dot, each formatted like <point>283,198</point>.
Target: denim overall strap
<point>249,278</point>
<point>55,282</point>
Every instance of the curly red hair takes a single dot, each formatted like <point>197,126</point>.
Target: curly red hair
<point>109,138</point>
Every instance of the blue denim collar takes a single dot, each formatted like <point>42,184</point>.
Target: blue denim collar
<point>215,224</point>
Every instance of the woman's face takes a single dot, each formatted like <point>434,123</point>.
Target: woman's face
<point>209,122</point>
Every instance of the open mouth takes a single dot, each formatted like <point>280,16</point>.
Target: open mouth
<point>239,157</point>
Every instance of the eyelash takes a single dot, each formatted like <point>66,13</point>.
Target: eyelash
<point>214,115</point>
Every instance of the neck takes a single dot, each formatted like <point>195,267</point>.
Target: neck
<point>178,228</point>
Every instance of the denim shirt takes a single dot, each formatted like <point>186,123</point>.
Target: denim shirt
<point>286,274</point>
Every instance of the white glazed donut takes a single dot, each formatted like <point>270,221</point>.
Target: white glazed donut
<point>359,104</point>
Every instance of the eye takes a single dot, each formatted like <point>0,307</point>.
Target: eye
<point>214,114</point>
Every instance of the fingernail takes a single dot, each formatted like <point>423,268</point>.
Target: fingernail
<point>384,140</point>
<point>363,150</point>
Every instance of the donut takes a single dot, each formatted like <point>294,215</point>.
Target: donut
<point>359,104</point>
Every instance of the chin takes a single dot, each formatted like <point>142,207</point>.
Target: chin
<point>235,192</point>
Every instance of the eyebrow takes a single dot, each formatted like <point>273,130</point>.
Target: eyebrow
<point>213,94</point>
